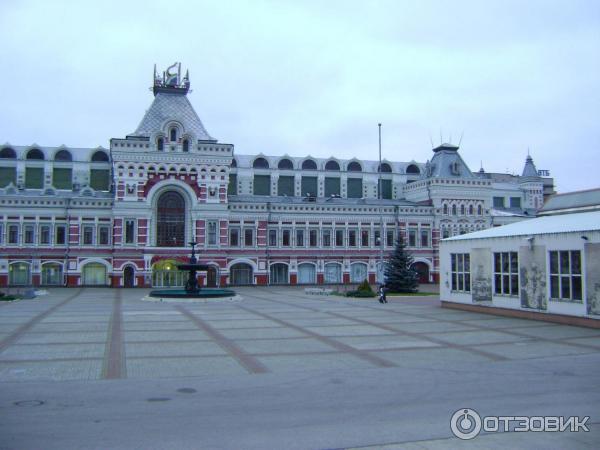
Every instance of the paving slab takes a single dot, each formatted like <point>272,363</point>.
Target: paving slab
<point>198,348</point>
<point>284,346</point>
<point>535,349</point>
<point>50,370</point>
<point>54,351</point>
<point>150,368</point>
<point>58,337</point>
<point>331,361</point>
<point>385,342</point>
<point>166,335</point>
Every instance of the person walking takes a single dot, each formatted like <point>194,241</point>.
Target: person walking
<point>382,296</point>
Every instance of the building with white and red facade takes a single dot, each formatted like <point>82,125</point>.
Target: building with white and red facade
<point>124,215</point>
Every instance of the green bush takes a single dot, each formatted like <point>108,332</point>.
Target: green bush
<point>365,287</point>
<point>9,298</point>
<point>362,291</point>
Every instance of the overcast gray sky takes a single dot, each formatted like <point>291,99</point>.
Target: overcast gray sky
<point>315,77</point>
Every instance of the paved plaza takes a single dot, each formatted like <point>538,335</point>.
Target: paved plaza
<point>81,368</point>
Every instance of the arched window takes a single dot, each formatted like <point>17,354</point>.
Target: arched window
<point>479,210</point>
<point>170,220</point>
<point>173,134</point>
<point>470,210</point>
<point>332,165</point>
<point>354,167</point>
<point>7,153</point>
<point>35,153</point>
<point>462,210</point>
<point>260,163</point>
<point>413,169</point>
<point>160,144</point>
<point>241,273</point>
<point>309,164</point>
<point>100,156</point>
<point>63,155</point>
<point>285,164</point>
<point>233,163</point>
<point>445,209</point>
<point>454,210</point>
<point>385,168</point>
<point>186,145</point>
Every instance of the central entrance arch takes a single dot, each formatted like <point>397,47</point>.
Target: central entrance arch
<point>170,220</point>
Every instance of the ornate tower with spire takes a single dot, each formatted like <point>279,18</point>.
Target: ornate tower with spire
<point>532,185</point>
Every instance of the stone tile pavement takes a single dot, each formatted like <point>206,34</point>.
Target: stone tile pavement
<point>87,334</point>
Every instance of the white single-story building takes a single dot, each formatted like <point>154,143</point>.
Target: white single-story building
<point>547,268</point>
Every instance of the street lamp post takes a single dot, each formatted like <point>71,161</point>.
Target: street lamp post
<point>380,197</point>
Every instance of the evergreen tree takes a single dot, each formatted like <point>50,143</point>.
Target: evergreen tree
<point>399,277</point>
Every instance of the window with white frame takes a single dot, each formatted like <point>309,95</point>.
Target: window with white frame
<point>60,235</point>
<point>326,238</point>
<point>234,237</point>
<point>13,233</point>
<point>248,237</point>
<point>286,238</point>
<point>389,238</point>
<point>299,238</point>
<point>103,235</point>
<point>88,234</point>
<point>364,238</point>
<point>1,233</point>
<point>313,237</point>
<point>461,272</point>
<point>506,273</point>
<point>412,237</point>
<point>130,231</point>
<point>44,236</point>
<point>272,238</point>
<point>425,237</point>
<point>28,233</point>
<point>351,238</point>
<point>339,238</point>
<point>565,275</point>
<point>212,233</point>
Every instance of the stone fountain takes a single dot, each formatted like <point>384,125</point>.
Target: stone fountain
<point>192,290</point>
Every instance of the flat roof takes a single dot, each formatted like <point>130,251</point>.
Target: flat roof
<point>564,223</point>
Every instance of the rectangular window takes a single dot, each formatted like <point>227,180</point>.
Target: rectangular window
<point>461,272</point>
<point>565,275</point>
<point>498,202</point>
<point>262,185</point>
<point>312,238</point>
<point>286,238</point>
<point>34,177</point>
<point>299,238</point>
<point>212,233</point>
<point>248,237</point>
<point>389,238</point>
<point>332,186</point>
<point>8,175</point>
<point>88,235</point>
<point>352,238</point>
<point>103,235</point>
<point>232,186</point>
<point>355,188</point>
<point>425,238</point>
<point>309,186</point>
<point>45,234</point>
<point>28,234</point>
<point>13,234</point>
<point>445,233</point>
<point>285,186</point>
<point>339,238</point>
<point>515,202</point>
<point>273,238</point>
<point>364,238</point>
<point>412,237</point>
<point>99,179</point>
<point>60,235</point>
<point>62,178</point>
<point>326,238</point>
<point>506,273</point>
<point>376,238</point>
<point>1,233</point>
<point>130,231</point>
<point>386,189</point>
<point>234,237</point>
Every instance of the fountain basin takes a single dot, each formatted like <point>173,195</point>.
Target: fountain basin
<point>200,294</point>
